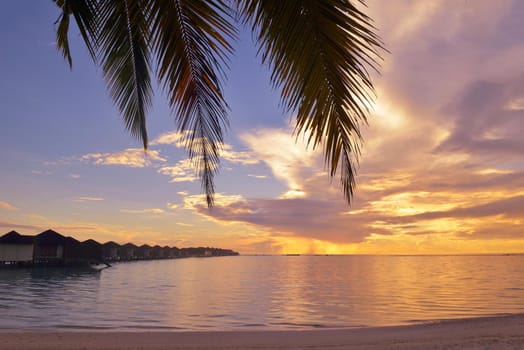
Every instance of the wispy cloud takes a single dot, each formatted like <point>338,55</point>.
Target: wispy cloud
<point>16,226</point>
<point>7,206</point>
<point>88,199</point>
<point>43,223</point>
<point>182,171</point>
<point>198,201</point>
<point>516,104</point>
<point>131,157</point>
<point>173,138</point>
<point>40,172</point>
<point>172,206</point>
<point>143,211</point>
<point>229,154</point>
<point>238,157</point>
<point>258,176</point>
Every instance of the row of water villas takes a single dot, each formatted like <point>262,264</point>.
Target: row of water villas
<point>52,248</point>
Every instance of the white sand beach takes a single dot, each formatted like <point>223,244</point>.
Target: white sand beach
<point>504,332</point>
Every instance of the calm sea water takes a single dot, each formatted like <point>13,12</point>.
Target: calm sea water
<point>262,292</point>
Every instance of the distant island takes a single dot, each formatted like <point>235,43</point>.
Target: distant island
<point>51,248</point>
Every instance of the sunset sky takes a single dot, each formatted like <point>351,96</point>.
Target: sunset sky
<point>442,169</point>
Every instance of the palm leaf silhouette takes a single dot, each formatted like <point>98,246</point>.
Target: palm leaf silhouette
<point>318,52</point>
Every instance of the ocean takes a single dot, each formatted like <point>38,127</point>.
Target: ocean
<point>261,293</point>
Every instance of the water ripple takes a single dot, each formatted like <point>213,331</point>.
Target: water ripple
<point>272,292</point>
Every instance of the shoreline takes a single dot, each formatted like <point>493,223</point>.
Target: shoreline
<point>493,332</point>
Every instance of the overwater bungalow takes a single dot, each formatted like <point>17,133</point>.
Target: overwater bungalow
<point>144,251</point>
<point>192,252</point>
<point>91,251</point>
<point>175,252</point>
<point>52,248</point>
<point>49,246</point>
<point>157,252</point>
<point>167,253</point>
<point>110,250</point>
<point>127,251</point>
<point>73,253</point>
<point>16,248</point>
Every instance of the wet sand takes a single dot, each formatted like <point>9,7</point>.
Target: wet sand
<point>505,332</point>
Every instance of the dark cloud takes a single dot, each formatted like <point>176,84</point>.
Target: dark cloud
<point>485,124</point>
<point>445,133</point>
<point>510,27</point>
<point>459,178</point>
<point>511,207</point>
<point>496,230</point>
<point>501,218</point>
<point>319,219</point>
<point>263,247</point>
<point>468,181</point>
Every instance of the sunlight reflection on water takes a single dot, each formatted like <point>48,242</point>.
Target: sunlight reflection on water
<point>262,292</point>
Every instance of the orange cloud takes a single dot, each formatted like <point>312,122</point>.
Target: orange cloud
<point>183,171</point>
<point>238,157</point>
<point>7,206</point>
<point>143,211</point>
<point>423,197</point>
<point>131,157</point>
<point>174,138</point>
<point>442,168</point>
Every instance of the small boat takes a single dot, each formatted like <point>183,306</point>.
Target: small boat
<point>100,266</point>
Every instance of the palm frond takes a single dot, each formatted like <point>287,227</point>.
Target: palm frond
<point>191,41</point>
<point>62,39</point>
<point>85,14</point>
<point>123,45</point>
<point>319,52</point>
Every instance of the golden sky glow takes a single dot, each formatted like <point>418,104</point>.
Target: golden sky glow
<point>442,166</point>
